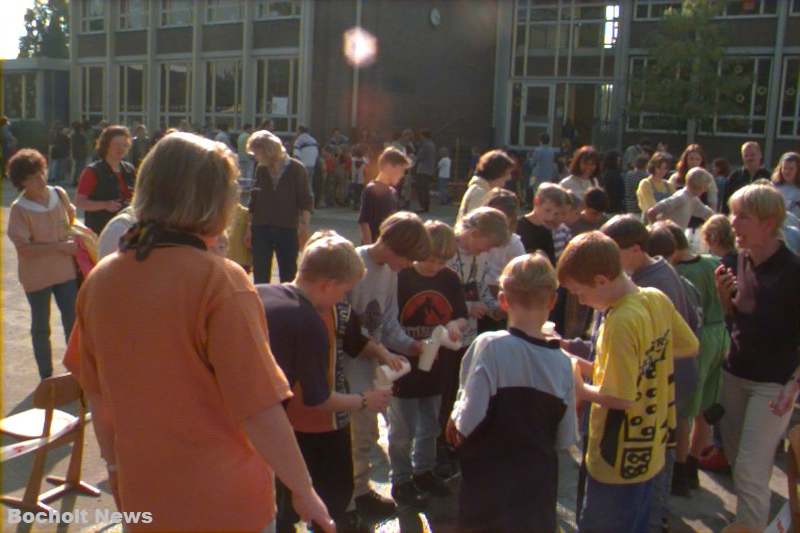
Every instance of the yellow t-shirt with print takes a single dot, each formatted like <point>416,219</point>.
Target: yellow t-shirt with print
<point>637,341</point>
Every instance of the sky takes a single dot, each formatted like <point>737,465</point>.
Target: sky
<point>12,26</point>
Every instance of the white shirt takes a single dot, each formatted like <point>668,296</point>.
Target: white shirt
<point>444,168</point>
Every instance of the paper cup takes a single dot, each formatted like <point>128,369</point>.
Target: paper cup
<point>441,336</point>
<point>548,328</point>
<point>429,350</point>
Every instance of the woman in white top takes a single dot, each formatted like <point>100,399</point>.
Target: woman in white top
<point>38,226</point>
<point>583,170</point>
<point>785,178</point>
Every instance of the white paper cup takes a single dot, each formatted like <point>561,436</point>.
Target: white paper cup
<point>429,350</point>
<point>441,335</point>
<point>548,328</point>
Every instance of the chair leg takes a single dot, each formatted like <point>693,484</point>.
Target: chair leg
<point>65,486</point>
<point>19,503</point>
<point>73,478</point>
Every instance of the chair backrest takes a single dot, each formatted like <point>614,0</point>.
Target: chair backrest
<point>792,476</point>
<point>55,391</point>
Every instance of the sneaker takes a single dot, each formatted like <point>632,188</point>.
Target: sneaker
<point>430,484</point>
<point>714,460</point>
<point>408,494</point>
<point>374,506</point>
<point>680,481</point>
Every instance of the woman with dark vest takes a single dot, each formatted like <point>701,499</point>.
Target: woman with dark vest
<point>106,186</point>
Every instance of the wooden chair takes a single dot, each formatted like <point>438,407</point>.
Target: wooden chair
<point>792,476</point>
<point>45,420</point>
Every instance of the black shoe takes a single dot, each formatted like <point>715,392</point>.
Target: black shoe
<point>408,494</point>
<point>373,506</point>
<point>680,481</point>
<point>351,523</point>
<point>691,471</point>
<point>446,463</point>
<point>430,484</point>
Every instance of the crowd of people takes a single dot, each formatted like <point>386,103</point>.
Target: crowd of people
<point>645,314</point>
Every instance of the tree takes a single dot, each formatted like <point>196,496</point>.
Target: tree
<point>46,30</point>
<point>685,80</point>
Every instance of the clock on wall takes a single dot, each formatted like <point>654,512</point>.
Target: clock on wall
<point>435,17</point>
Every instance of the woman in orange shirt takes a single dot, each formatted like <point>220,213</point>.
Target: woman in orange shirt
<point>171,348</point>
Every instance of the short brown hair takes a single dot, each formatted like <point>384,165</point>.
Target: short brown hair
<point>107,135</point>
<point>661,241</point>
<point>489,222</point>
<point>187,183</point>
<point>394,157</point>
<point>777,174</point>
<point>507,202</point>
<point>658,159</point>
<point>589,255</point>
<point>493,165</point>
<point>25,164</point>
<point>329,256</point>
<point>718,229</point>
<point>681,242</point>
<point>443,240</point>
<point>550,192</point>
<point>529,280</point>
<point>626,231</point>
<point>584,153</point>
<point>405,235</point>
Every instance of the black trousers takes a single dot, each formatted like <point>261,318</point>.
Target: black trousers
<point>422,184</point>
<point>269,240</point>
<point>330,463</point>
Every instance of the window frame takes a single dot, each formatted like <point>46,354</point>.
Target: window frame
<point>674,3</point>
<point>167,10</point>
<point>795,119</point>
<point>25,79</point>
<point>88,115</point>
<point>262,7</point>
<point>87,18</point>
<point>263,112</point>
<point>225,5</point>
<point>211,114</point>
<point>125,16</point>
<point>165,114</point>
<point>126,116</point>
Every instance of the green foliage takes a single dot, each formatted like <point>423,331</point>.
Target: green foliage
<point>46,30</point>
<point>686,78</point>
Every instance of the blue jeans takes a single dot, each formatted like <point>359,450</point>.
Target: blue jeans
<point>58,169</point>
<point>659,513</point>
<point>269,240</point>
<point>412,420</point>
<point>444,195</point>
<point>65,294</point>
<point>614,508</point>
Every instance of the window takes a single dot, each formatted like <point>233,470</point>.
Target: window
<point>795,7</point>
<point>93,93</point>
<point>655,9</point>
<point>133,14</point>
<point>271,9</point>
<point>176,12</point>
<point>223,10</point>
<point>93,16</point>
<point>19,90</point>
<point>132,90</point>
<point>224,92</point>
<point>175,93</point>
<point>276,92</point>
<point>790,102</point>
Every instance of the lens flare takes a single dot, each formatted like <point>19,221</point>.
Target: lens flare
<point>360,47</point>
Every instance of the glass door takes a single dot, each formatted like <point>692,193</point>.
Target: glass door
<point>537,112</point>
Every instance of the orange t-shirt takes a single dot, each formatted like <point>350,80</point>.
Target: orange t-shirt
<point>177,348</point>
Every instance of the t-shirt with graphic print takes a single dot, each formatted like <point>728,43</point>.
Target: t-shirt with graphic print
<point>471,270</point>
<point>424,303</point>
<point>640,335</point>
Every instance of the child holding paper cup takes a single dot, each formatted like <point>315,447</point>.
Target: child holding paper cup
<point>429,295</point>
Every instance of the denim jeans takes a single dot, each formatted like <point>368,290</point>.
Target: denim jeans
<point>614,508</point>
<point>58,169</point>
<point>65,294</point>
<point>283,242</point>
<point>444,195</point>
<point>413,421</point>
<point>662,489</point>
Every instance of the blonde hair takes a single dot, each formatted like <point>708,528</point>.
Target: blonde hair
<point>268,144</point>
<point>751,144</point>
<point>550,192</point>
<point>487,221</point>
<point>187,183</point>
<point>761,201</point>
<point>718,230</point>
<point>443,240</point>
<point>329,256</point>
<point>588,255</point>
<point>698,179</point>
<point>529,281</point>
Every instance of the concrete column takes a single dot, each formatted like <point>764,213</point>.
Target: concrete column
<point>249,69</point>
<point>74,71</point>
<point>198,74</point>
<point>502,70</point>
<point>41,96</point>
<point>151,69</point>
<point>306,58</point>
<point>620,96</point>
<point>774,97</point>
<point>111,101</point>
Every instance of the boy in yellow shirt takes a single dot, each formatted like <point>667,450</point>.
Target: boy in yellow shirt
<point>633,397</point>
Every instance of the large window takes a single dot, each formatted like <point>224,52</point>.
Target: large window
<point>271,9</point>
<point>93,16</point>
<point>744,111</point>
<point>93,93</point>
<point>175,93</point>
<point>132,91</point>
<point>19,96</point>
<point>223,10</point>
<point>790,99</point>
<point>654,9</point>
<point>224,92</point>
<point>133,14</point>
<point>276,92</point>
<point>565,39</point>
<point>176,12</point>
